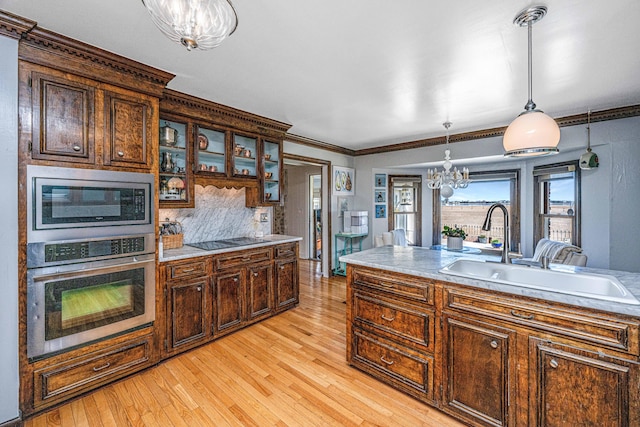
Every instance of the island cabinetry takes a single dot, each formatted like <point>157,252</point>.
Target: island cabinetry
<point>286,276</point>
<point>243,288</point>
<point>61,377</point>
<point>188,304</point>
<point>391,332</point>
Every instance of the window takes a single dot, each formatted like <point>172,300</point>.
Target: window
<point>557,203</point>
<point>404,206</point>
<point>468,207</point>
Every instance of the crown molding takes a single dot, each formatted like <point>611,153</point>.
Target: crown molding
<point>14,26</point>
<point>318,144</point>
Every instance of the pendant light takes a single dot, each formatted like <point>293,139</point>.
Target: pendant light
<point>196,24</point>
<point>532,133</point>
<point>447,180</point>
<point>589,160</point>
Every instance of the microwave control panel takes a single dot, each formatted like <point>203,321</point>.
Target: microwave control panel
<point>62,252</point>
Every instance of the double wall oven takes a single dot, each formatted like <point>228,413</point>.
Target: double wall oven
<point>90,256</point>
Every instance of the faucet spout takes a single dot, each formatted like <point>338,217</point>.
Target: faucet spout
<point>507,233</point>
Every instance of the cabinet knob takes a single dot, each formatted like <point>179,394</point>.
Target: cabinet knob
<point>100,368</point>
<point>255,274</point>
<point>235,280</point>
<point>494,344</point>
<point>199,288</point>
<point>282,267</point>
<point>553,363</point>
<point>76,148</point>
<point>385,361</point>
<point>120,153</point>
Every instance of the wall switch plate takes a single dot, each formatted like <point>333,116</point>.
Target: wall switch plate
<point>264,217</point>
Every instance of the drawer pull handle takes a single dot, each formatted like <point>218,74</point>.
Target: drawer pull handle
<point>120,153</point>
<point>553,363</point>
<point>76,148</point>
<point>188,270</point>
<point>246,259</point>
<point>386,362</point>
<point>388,319</point>
<point>100,368</point>
<point>522,316</point>
<point>494,344</point>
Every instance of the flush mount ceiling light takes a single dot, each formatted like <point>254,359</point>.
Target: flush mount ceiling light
<point>447,180</point>
<point>532,133</point>
<point>197,24</point>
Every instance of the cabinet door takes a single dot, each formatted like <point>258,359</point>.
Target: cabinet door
<point>129,134</point>
<point>63,117</point>
<point>286,283</point>
<point>478,364</point>
<point>260,290</point>
<point>229,300</point>
<point>188,313</point>
<point>175,187</point>
<point>272,166</point>
<point>573,387</point>
<point>245,156</point>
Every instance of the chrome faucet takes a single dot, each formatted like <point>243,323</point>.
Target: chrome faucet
<point>487,226</point>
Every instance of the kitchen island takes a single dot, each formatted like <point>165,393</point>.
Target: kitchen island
<point>491,353</point>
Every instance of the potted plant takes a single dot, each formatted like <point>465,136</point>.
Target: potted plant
<point>455,237</point>
<point>496,243</point>
<point>482,238</point>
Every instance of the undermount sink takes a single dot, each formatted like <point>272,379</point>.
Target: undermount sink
<point>599,286</point>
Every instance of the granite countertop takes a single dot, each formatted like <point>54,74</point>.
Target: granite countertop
<point>424,262</point>
<point>189,251</point>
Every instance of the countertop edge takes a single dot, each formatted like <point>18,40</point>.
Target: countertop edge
<point>187,251</point>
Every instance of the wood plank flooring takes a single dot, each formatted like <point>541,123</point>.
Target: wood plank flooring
<point>289,370</point>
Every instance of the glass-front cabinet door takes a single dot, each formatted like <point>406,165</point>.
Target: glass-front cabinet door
<point>211,151</point>
<point>272,169</point>
<point>245,150</point>
<point>174,162</point>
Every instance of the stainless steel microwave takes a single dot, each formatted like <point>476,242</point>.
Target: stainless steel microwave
<point>72,203</point>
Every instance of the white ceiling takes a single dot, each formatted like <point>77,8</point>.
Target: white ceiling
<point>365,73</point>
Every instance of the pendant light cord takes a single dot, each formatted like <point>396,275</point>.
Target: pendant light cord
<point>530,104</point>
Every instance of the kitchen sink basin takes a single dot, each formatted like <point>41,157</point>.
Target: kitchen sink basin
<point>599,286</point>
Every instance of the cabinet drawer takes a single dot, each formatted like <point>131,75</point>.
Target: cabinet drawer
<point>596,328</point>
<point>240,258</point>
<point>286,250</point>
<point>399,285</point>
<point>415,325</point>
<point>411,370</point>
<point>81,374</point>
<point>190,269</point>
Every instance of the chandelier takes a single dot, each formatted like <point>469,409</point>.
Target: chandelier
<point>197,24</point>
<point>447,180</point>
<point>532,133</point>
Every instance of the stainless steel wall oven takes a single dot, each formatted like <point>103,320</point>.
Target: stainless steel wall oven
<point>90,256</point>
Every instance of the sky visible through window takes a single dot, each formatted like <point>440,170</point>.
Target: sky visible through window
<point>491,191</point>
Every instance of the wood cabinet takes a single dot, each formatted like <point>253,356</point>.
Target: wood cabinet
<point>497,359</point>
<point>243,288</point>
<point>286,276</point>
<point>188,304</point>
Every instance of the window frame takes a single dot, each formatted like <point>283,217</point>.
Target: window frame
<point>538,218</point>
<point>513,175</point>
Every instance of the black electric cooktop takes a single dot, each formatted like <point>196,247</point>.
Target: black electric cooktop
<point>226,243</point>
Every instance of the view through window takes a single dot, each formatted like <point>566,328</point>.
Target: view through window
<point>467,209</point>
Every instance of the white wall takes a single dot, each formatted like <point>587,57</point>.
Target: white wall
<point>610,193</point>
<point>9,220</point>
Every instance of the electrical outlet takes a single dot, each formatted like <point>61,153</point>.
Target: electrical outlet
<point>264,217</point>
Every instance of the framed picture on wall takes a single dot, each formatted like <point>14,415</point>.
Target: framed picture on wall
<point>343,205</point>
<point>381,211</point>
<point>380,180</point>
<point>380,196</point>
<point>343,181</point>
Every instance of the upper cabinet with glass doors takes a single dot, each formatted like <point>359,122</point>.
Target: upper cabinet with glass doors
<point>211,151</point>
<point>245,156</point>
<point>174,163</point>
<point>271,180</point>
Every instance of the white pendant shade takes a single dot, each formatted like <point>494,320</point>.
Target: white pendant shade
<point>197,24</point>
<point>531,134</point>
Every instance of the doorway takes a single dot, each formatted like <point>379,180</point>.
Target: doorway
<point>306,211</point>
<point>405,206</point>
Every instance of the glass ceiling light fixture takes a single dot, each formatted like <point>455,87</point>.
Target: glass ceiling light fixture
<point>532,133</point>
<point>197,24</point>
<point>447,180</point>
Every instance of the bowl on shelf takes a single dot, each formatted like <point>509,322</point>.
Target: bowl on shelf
<point>268,175</point>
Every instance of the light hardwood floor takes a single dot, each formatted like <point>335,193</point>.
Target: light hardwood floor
<point>289,370</point>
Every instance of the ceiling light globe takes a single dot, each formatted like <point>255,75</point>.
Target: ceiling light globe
<point>532,133</point>
<point>196,24</point>
<point>446,191</point>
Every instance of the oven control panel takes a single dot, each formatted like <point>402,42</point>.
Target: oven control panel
<point>67,252</point>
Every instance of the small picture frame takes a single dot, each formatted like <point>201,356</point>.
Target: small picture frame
<point>381,211</point>
<point>380,196</point>
<point>380,180</point>
<point>343,205</point>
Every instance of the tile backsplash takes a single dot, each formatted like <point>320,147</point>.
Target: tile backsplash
<point>220,213</point>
